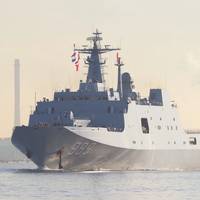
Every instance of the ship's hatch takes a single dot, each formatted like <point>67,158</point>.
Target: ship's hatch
<point>193,140</point>
<point>145,125</point>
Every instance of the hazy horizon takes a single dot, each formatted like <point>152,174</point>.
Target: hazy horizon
<point>160,43</point>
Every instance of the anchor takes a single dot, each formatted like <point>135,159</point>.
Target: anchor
<point>59,153</point>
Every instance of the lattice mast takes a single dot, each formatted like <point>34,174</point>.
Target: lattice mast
<point>94,61</point>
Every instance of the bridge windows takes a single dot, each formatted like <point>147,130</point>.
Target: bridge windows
<point>145,125</point>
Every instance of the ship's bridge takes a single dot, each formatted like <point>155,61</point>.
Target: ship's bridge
<point>88,91</point>
<point>91,87</point>
<point>79,96</point>
<point>92,102</point>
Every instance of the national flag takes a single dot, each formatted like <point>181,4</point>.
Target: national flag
<point>75,59</point>
<point>118,58</point>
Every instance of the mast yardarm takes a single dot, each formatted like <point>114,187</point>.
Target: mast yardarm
<point>94,60</point>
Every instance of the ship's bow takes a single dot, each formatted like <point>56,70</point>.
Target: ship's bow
<point>38,143</point>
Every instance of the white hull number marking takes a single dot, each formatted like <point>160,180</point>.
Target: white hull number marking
<point>81,148</point>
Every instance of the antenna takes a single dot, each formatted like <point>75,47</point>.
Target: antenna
<point>97,33</point>
<point>119,81</point>
<point>94,60</point>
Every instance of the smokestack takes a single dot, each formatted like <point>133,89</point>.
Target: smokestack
<point>17,92</point>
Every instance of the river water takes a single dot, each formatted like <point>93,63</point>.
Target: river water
<point>21,180</point>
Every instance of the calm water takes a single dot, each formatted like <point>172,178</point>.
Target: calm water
<point>22,181</point>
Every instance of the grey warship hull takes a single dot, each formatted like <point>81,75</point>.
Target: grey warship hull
<point>100,128</point>
<point>56,148</point>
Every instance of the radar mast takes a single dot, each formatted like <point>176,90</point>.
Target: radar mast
<point>94,61</point>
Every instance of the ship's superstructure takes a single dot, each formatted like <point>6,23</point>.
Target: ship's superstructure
<point>92,103</point>
<point>98,128</point>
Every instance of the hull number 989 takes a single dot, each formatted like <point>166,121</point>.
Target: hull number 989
<point>81,148</point>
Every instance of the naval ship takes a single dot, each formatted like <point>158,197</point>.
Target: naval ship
<point>100,128</point>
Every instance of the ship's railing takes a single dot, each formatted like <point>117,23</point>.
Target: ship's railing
<point>192,131</point>
<point>113,129</point>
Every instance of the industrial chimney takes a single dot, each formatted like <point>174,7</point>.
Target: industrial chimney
<point>17,92</point>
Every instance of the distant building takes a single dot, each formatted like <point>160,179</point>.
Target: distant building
<point>17,92</point>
